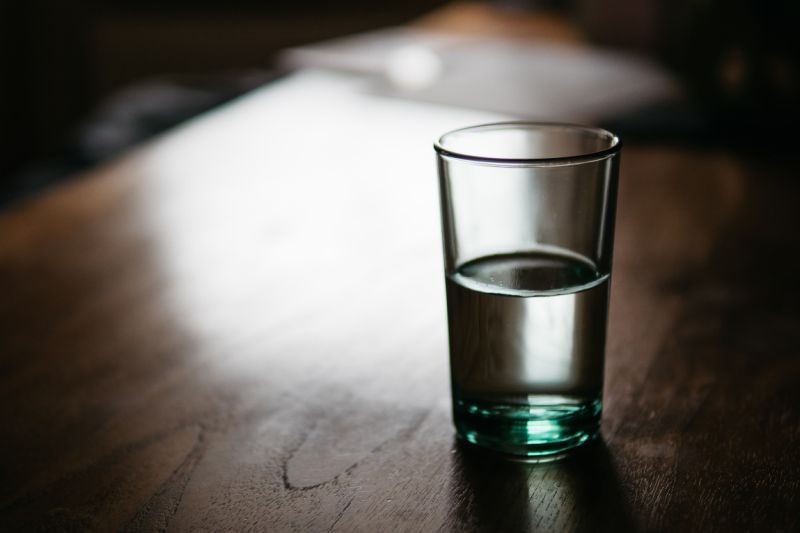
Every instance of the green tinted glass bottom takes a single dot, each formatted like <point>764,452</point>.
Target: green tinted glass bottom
<point>546,431</point>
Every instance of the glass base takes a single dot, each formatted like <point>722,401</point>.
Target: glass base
<point>541,431</point>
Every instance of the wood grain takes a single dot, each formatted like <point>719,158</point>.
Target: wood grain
<point>241,327</point>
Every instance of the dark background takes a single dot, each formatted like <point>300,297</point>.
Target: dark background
<point>62,61</point>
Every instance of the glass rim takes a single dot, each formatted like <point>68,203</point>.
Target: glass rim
<point>615,144</point>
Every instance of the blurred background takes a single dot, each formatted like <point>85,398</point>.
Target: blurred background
<point>82,81</point>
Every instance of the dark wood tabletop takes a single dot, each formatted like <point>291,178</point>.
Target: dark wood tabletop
<point>241,327</point>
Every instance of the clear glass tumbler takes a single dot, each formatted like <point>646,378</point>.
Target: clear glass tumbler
<point>528,226</point>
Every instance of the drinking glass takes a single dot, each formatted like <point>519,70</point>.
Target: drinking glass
<point>528,226</point>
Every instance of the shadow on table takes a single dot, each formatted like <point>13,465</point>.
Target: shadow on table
<point>582,493</point>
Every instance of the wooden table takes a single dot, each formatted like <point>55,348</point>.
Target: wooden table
<point>241,327</point>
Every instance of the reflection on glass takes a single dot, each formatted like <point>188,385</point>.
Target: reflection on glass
<point>527,215</point>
